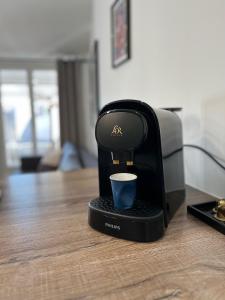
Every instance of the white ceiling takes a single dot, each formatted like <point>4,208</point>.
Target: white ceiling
<point>40,28</point>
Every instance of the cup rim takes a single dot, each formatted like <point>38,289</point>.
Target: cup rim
<point>130,177</point>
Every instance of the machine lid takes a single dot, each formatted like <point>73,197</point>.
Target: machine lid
<point>121,130</point>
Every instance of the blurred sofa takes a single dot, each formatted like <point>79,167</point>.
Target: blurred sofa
<point>69,158</point>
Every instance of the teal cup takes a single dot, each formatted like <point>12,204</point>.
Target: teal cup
<point>123,190</point>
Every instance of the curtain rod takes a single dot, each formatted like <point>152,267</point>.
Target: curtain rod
<point>81,60</point>
<point>47,59</point>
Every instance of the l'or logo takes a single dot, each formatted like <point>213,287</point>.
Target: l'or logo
<point>117,131</point>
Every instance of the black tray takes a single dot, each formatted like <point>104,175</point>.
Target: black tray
<point>204,212</point>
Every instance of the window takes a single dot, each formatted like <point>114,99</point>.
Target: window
<point>30,112</point>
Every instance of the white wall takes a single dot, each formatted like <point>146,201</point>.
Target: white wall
<point>178,59</point>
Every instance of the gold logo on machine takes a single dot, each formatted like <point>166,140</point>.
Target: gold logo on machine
<point>117,131</point>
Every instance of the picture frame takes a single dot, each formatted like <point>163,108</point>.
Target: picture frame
<point>120,32</point>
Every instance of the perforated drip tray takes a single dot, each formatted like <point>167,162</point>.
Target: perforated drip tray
<point>139,210</point>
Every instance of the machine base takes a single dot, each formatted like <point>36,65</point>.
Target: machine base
<point>142,223</point>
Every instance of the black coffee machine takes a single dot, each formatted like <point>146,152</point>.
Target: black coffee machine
<point>134,138</point>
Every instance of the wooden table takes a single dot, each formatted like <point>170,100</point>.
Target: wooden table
<point>48,251</point>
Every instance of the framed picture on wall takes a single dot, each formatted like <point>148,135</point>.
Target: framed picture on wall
<point>120,32</point>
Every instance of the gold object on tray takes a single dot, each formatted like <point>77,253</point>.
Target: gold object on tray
<point>220,210</point>
<point>220,202</point>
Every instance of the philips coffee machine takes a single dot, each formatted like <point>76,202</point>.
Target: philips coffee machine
<point>134,138</point>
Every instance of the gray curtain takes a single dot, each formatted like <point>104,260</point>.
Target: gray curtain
<point>69,90</point>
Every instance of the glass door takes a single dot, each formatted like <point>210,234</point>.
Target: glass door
<point>30,113</point>
<point>16,115</point>
<point>46,109</point>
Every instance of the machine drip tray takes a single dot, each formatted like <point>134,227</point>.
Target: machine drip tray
<point>143,222</point>
<point>140,209</point>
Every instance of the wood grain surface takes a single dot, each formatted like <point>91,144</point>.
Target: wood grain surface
<point>48,251</point>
